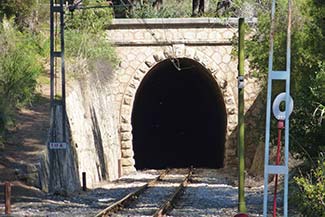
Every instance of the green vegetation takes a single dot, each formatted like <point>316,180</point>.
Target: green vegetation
<point>19,67</point>
<point>24,49</point>
<point>20,10</point>
<point>85,35</point>
<point>179,8</point>
<point>170,9</point>
<point>24,44</point>
<point>311,194</point>
<point>307,69</point>
<point>307,89</point>
<point>85,41</point>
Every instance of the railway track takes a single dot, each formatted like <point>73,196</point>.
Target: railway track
<point>168,195</point>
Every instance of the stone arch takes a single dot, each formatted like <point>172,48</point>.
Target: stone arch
<point>173,52</point>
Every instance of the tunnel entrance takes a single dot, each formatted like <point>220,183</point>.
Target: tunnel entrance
<point>179,118</point>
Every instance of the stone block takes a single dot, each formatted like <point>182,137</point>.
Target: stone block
<point>135,83</point>
<point>130,91</point>
<point>130,57</point>
<point>144,68</point>
<point>208,51</point>
<point>158,57</point>
<point>127,100</point>
<point>138,35</point>
<point>216,58</point>
<point>125,109</point>
<point>126,128</point>
<point>126,144</point>
<point>189,52</point>
<point>123,78</point>
<point>126,136</point>
<point>179,50</point>
<point>134,64</point>
<point>127,153</point>
<point>128,36</point>
<point>213,35</point>
<point>229,101</point>
<point>226,58</point>
<point>205,61</point>
<point>227,35</point>
<point>231,111</point>
<point>202,35</point>
<point>128,170</point>
<point>168,53</point>
<point>149,63</point>
<point>125,118</point>
<point>127,162</point>
<point>138,75</point>
<point>223,84</point>
<point>189,35</point>
<point>123,64</point>
<point>148,36</point>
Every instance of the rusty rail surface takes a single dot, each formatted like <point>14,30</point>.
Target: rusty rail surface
<point>169,203</point>
<point>120,203</point>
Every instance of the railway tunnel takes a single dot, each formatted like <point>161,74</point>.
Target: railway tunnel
<point>179,118</point>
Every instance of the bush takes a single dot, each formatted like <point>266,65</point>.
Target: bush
<point>170,9</point>
<point>19,10</point>
<point>310,199</point>
<point>19,68</point>
<point>85,36</point>
<point>307,79</point>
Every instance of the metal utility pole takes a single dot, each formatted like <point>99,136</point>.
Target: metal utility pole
<point>56,73</point>
<point>241,136</point>
<point>284,116</point>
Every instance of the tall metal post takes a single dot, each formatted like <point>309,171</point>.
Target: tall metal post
<point>241,136</point>
<point>277,76</point>
<point>57,97</point>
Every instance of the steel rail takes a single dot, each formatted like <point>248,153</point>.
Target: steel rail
<point>164,208</point>
<point>120,203</point>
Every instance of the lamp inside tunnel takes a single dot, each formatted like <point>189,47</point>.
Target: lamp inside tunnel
<point>179,118</point>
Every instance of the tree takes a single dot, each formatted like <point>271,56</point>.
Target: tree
<point>199,7</point>
<point>20,9</point>
<point>19,67</point>
<point>307,67</point>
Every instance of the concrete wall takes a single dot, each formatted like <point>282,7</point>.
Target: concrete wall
<point>93,125</point>
<point>102,130</point>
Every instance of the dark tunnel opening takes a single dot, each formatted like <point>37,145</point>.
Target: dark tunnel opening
<point>179,118</point>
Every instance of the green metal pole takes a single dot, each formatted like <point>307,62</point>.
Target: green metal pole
<point>241,144</point>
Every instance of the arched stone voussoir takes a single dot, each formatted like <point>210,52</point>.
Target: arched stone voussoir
<point>150,62</point>
<point>159,57</point>
<point>126,127</point>
<point>190,52</point>
<point>167,53</point>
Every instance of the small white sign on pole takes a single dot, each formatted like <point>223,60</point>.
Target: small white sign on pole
<point>58,145</point>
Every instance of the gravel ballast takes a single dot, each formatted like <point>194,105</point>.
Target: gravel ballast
<point>211,192</point>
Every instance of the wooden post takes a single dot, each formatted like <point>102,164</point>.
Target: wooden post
<point>84,181</point>
<point>7,191</point>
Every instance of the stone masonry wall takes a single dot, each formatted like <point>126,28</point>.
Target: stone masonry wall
<point>90,111</point>
<point>141,44</point>
<point>99,105</point>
